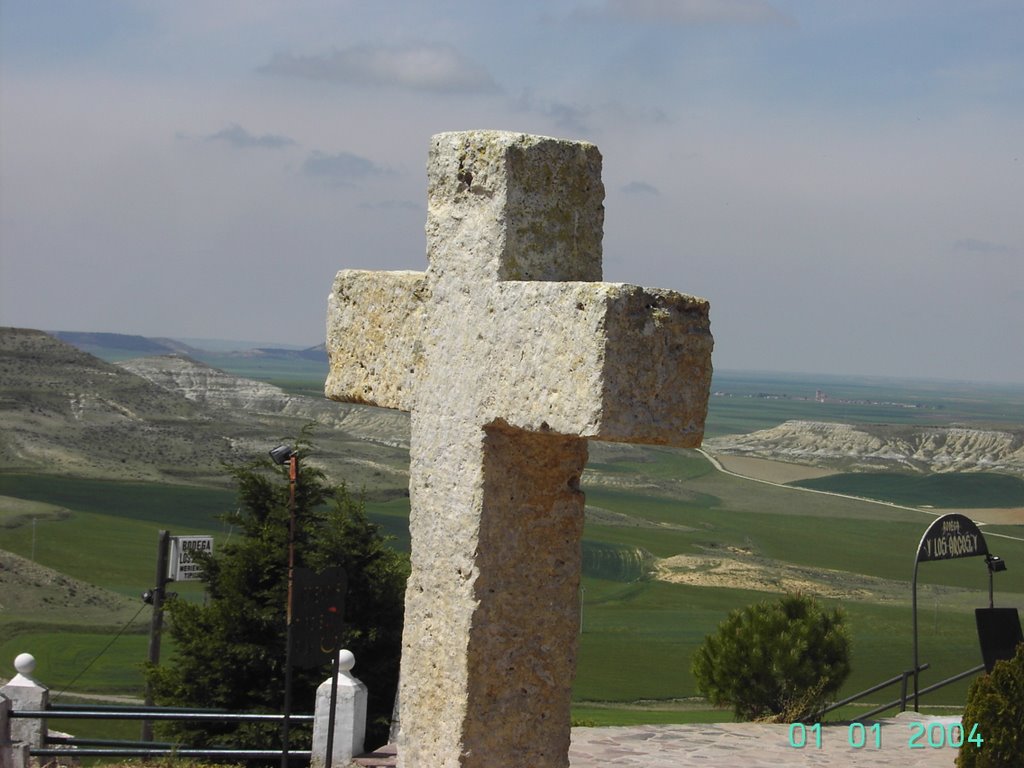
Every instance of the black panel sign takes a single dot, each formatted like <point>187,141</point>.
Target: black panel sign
<point>317,614</point>
<point>951,536</point>
<point>999,632</point>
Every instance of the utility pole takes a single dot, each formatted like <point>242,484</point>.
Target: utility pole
<point>157,623</point>
<point>280,455</point>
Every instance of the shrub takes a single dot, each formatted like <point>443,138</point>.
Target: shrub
<point>775,660</point>
<point>995,703</point>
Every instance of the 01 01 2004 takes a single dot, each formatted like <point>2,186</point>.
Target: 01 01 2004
<point>859,736</point>
<point>938,735</point>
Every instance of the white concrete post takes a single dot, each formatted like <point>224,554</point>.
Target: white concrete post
<point>11,755</point>
<point>349,717</point>
<point>27,694</point>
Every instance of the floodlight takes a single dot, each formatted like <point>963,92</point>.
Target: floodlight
<point>282,453</point>
<point>995,563</point>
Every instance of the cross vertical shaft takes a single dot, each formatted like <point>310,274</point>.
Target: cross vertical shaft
<point>509,353</point>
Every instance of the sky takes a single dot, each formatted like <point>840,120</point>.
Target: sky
<point>843,181</point>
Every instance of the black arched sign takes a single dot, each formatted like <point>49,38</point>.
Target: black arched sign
<point>947,538</point>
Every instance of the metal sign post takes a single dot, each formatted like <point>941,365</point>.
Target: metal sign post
<point>174,562</point>
<point>948,537</point>
<point>157,622</point>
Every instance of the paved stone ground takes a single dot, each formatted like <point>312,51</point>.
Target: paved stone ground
<point>745,745</point>
<point>756,745</point>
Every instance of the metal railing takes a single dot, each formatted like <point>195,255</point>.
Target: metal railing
<point>901,678</point>
<point>905,696</point>
<point>83,747</point>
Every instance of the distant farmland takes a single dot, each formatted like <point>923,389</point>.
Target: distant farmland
<point>670,547</point>
<point>966,490</point>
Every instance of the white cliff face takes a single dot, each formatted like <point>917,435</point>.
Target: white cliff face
<point>218,390</point>
<point>210,386</point>
<point>854,446</point>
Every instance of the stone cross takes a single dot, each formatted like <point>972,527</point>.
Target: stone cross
<point>509,353</point>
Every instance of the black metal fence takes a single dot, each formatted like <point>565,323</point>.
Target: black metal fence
<point>62,746</point>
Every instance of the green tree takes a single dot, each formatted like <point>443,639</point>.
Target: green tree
<point>774,659</point>
<point>993,718</point>
<point>229,652</point>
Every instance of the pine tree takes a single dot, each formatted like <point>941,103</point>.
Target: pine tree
<point>229,652</point>
<point>774,659</point>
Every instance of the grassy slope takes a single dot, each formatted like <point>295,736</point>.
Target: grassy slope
<point>110,538</point>
<point>669,621</point>
<point>638,636</point>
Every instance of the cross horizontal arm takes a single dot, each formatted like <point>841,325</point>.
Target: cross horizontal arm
<point>602,360</point>
<point>374,321</point>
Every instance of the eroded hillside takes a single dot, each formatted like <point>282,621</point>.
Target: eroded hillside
<point>172,419</point>
<point>860,447</point>
<point>67,412</point>
<point>210,387</point>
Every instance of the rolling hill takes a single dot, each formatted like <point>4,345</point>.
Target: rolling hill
<point>172,419</point>
<point>873,447</point>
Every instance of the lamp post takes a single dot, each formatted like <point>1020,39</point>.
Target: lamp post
<point>995,564</point>
<point>280,455</point>
<point>949,537</point>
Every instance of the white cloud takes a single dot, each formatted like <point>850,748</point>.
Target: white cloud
<point>393,205</point>
<point>641,188</point>
<point>568,117</point>
<point>420,67</point>
<point>978,247</point>
<point>693,11</point>
<point>341,168</point>
<point>237,136</point>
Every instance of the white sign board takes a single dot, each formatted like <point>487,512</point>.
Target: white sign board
<point>180,565</point>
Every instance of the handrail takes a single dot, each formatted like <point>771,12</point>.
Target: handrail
<point>100,748</point>
<point>891,681</point>
<point>86,742</point>
<point>929,689</point>
<point>61,714</point>
<point>131,708</point>
<point>242,754</point>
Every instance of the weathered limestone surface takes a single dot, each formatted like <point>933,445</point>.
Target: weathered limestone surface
<point>506,372</point>
<point>373,325</point>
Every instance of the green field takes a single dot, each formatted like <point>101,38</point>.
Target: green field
<point>664,623</point>
<point>746,401</point>
<point>80,660</point>
<point>110,537</point>
<point>638,632</point>
<point>953,489</point>
<point>644,505</point>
